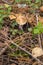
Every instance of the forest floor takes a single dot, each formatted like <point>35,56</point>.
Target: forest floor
<point>17,43</point>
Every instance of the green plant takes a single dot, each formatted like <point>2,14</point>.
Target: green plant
<point>29,1</point>
<point>17,1</point>
<point>19,53</point>
<point>38,29</point>
<point>16,31</point>
<point>4,12</point>
<point>13,24</point>
<point>12,46</point>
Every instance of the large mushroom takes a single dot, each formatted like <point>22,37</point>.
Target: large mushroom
<point>41,11</point>
<point>21,20</point>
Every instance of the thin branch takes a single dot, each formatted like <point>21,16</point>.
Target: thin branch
<point>5,1</point>
<point>39,41</point>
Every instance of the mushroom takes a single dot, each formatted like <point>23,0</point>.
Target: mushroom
<point>13,64</point>
<point>21,20</point>
<point>41,8</point>
<point>41,19</point>
<point>37,51</point>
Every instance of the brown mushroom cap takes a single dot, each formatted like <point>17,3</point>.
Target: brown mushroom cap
<point>41,8</point>
<point>13,64</point>
<point>21,19</point>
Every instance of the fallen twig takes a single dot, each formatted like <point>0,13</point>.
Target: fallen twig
<point>5,1</point>
<point>3,50</point>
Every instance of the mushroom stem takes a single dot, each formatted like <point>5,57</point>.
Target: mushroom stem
<point>21,27</point>
<point>27,26</point>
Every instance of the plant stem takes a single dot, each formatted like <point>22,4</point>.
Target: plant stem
<point>38,34</point>
<point>39,39</point>
<point>41,2</point>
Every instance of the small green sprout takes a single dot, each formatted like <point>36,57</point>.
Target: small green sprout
<point>38,29</point>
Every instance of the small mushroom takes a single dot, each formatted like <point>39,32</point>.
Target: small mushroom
<point>12,16</point>
<point>41,19</point>
<point>37,51</point>
<point>21,20</point>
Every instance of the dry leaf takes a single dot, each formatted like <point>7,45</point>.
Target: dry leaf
<point>37,51</point>
<point>30,18</point>
<point>4,31</point>
<point>12,17</point>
